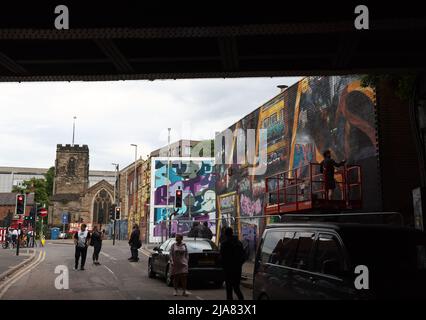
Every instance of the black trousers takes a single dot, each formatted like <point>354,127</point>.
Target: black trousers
<point>232,282</point>
<point>96,249</point>
<point>134,251</point>
<point>79,251</point>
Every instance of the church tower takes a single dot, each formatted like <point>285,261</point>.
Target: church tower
<point>71,181</point>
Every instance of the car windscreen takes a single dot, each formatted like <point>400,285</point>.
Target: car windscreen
<point>195,246</point>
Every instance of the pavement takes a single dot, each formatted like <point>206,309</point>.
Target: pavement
<point>10,262</point>
<point>115,279</point>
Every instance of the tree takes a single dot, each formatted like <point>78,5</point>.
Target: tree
<point>38,187</point>
<point>50,175</point>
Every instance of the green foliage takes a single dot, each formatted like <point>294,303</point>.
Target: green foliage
<point>404,84</point>
<point>38,186</point>
<point>50,175</point>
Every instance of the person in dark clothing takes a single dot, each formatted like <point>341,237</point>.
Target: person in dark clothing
<point>81,240</point>
<point>135,243</point>
<point>206,232</point>
<point>327,167</point>
<point>96,242</point>
<point>232,255</point>
<point>195,231</point>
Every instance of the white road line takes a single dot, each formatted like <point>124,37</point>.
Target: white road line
<point>199,298</point>
<point>22,272</point>
<point>111,271</point>
<point>145,252</point>
<point>108,256</point>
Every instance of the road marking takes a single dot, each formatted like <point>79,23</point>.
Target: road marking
<point>108,256</point>
<point>110,271</point>
<point>21,273</point>
<point>146,253</point>
<point>199,298</point>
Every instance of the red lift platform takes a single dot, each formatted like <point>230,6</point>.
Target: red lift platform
<point>303,189</point>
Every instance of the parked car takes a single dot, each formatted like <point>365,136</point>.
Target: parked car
<point>204,261</point>
<point>315,260</point>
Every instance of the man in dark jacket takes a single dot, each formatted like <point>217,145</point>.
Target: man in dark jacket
<point>232,255</point>
<point>135,243</point>
<point>206,232</point>
<point>195,231</point>
<point>327,167</point>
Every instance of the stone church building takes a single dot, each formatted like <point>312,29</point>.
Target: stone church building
<point>71,191</point>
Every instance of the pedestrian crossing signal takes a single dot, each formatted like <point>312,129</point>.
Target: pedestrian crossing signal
<point>178,199</point>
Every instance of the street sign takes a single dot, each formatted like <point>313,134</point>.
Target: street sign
<point>43,212</point>
<point>64,218</point>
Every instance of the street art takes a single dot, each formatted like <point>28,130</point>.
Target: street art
<point>313,115</point>
<point>196,178</point>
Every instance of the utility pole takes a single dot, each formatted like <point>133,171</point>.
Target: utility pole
<point>135,180</point>
<point>115,199</point>
<point>168,178</point>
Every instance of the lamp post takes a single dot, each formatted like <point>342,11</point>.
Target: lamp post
<point>168,178</point>
<point>115,198</point>
<point>134,183</point>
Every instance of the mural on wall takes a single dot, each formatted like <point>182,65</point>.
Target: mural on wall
<point>196,178</point>
<point>313,115</point>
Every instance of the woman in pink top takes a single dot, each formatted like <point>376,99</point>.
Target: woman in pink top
<point>179,264</point>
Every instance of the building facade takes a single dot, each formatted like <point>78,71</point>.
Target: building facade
<point>72,193</point>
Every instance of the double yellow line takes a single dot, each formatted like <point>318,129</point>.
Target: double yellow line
<point>18,275</point>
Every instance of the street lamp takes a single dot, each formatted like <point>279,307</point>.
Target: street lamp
<point>134,182</point>
<point>115,197</point>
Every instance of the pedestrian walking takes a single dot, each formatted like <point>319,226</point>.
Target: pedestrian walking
<point>327,167</point>
<point>232,255</point>
<point>179,264</point>
<point>14,237</point>
<point>81,240</point>
<point>135,243</point>
<point>206,232</point>
<point>96,242</point>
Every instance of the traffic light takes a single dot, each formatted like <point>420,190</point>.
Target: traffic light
<point>112,212</point>
<point>20,204</point>
<point>117,213</point>
<point>178,198</point>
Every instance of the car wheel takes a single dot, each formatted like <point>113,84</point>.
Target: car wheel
<point>151,272</point>
<point>169,281</point>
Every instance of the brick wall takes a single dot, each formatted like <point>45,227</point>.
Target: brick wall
<point>399,165</point>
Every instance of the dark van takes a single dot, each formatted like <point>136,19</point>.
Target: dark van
<point>316,260</point>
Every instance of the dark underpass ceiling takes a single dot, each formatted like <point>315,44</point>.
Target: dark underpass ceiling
<point>121,41</point>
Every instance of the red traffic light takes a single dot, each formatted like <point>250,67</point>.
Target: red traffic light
<point>20,198</point>
<point>178,192</point>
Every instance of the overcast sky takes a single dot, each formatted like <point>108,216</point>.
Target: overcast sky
<point>35,116</point>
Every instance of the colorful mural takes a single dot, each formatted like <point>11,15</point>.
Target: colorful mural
<point>195,176</point>
<point>315,114</point>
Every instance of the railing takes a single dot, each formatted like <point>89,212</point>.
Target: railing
<point>304,187</point>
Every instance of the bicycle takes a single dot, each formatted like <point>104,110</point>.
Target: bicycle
<point>5,244</point>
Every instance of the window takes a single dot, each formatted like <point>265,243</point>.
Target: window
<point>328,258</point>
<point>164,245</point>
<point>285,250</point>
<point>269,244</point>
<point>305,241</point>
<point>266,123</point>
<point>101,207</point>
<point>273,118</point>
